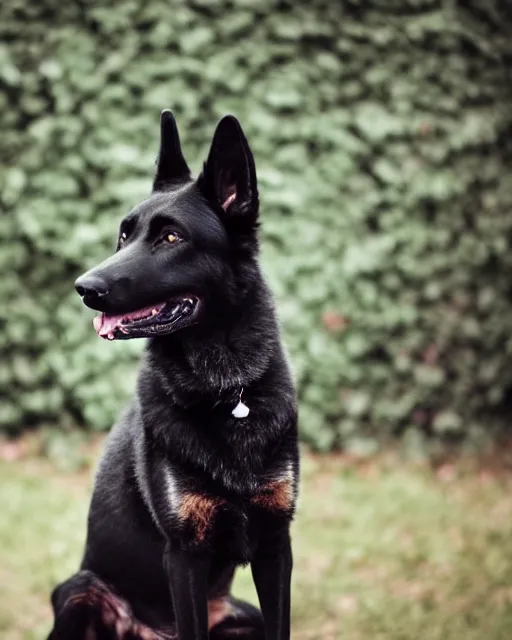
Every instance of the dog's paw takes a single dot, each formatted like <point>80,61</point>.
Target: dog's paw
<point>94,612</point>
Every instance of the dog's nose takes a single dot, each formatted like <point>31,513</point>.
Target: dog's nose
<point>91,288</point>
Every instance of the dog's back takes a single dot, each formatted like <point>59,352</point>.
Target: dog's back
<point>201,472</point>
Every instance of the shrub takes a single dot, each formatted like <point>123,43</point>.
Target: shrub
<point>382,133</point>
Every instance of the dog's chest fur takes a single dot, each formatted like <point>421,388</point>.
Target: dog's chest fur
<point>208,478</point>
<point>200,514</point>
<point>216,477</point>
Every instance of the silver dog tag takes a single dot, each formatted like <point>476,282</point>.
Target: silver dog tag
<point>241,410</point>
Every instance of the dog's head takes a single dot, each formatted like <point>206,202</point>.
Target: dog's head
<point>184,255</point>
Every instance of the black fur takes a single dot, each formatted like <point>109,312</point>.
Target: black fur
<point>186,491</point>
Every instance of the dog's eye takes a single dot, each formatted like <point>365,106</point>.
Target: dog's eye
<point>167,237</point>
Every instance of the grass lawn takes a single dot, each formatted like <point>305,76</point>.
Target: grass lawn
<point>383,549</point>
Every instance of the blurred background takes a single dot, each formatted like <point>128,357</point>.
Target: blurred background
<point>382,131</point>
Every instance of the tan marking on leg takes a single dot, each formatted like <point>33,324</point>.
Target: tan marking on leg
<point>218,609</point>
<point>199,510</point>
<point>275,496</point>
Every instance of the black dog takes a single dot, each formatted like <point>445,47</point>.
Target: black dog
<point>201,473</point>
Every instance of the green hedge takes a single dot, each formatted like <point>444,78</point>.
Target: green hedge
<point>383,137</point>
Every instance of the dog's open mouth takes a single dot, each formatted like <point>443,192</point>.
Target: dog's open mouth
<point>159,319</point>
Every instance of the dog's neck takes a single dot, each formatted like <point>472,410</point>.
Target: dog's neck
<point>214,364</point>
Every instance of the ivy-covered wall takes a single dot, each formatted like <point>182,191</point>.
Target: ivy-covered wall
<point>382,132</point>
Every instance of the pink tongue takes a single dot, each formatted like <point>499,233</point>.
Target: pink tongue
<point>106,325</point>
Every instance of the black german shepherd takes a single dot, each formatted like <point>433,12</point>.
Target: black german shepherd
<point>200,475</point>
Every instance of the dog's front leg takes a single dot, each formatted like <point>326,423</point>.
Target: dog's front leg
<point>271,570</point>
<point>187,572</point>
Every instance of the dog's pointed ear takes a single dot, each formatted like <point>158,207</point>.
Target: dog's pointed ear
<point>229,175</point>
<point>171,167</point>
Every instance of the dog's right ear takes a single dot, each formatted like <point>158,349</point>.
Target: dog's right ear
<point>171,167</point>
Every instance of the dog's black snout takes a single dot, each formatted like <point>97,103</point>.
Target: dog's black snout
<point>91,288</point>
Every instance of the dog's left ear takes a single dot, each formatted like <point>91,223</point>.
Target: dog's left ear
<point>171,167</point>
<point>229,175</point>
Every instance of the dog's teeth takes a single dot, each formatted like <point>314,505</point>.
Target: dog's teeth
<point>110,336</point>
<point>154,312</point>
